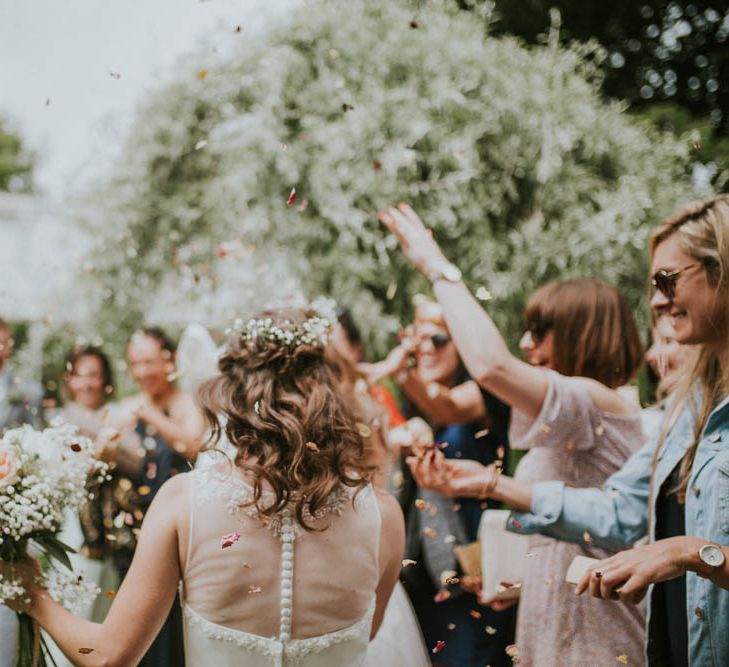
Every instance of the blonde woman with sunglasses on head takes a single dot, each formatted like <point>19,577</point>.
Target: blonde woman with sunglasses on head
<point>676,488</point>
<point>581,345</point>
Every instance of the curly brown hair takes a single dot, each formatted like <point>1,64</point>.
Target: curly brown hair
<point>293,429</point>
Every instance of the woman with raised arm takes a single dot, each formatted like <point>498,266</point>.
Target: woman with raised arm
<point>286,554</point>
<point>676,488</point>
<point>582,344</point>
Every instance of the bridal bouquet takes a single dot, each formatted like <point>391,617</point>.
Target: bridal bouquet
<point>42,474</point>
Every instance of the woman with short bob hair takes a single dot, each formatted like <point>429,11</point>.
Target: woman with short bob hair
<point>581,344</point>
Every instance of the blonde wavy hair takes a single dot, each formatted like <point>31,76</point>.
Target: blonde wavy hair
<point>702,228</point>
<point>293,429</point>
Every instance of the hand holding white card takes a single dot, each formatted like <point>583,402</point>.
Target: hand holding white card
<point>578,568</point>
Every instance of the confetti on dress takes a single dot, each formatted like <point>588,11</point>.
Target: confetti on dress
<point>430,532</point>
<point>490,630</point>
<point>292,197</point>
<point>473,613</point>
<point>622,659</point>
<point>600,429</point>
<point>75,447</point>
<point>482,433</point>
<point>109,594</point>
<point>229,540</point>
<point>376,165</point>
<point>253,590</point>
<point>544,428</point>
<point>420,503</point>
<point>408,561</point>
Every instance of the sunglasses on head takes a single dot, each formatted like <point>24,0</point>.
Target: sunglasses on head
<point>538,330</point>
<point>665,281</point>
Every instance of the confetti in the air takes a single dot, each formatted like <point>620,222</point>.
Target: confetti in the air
<point>482,294</point>
<point>438,647</point>
<point>292,197</point>
<point>202,74</point>
<point>408,561</point>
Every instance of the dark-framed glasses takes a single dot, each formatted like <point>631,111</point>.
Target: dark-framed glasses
<point>665,281</point>
<point>439,340</point>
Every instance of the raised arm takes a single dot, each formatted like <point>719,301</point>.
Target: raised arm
<point>480,344</point>
<point>143,601</point>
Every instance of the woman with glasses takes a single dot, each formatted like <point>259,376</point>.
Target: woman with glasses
<point>469,424</point>
<point>581,344</point>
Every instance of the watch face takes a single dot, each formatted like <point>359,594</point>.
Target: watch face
<point>711,555</point>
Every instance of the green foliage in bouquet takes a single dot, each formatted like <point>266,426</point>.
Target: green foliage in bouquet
<point>508,152</point>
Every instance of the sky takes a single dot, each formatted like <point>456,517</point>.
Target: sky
<point>72,72</point>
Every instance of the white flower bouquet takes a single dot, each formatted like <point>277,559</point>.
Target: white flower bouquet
<point>42,474</point>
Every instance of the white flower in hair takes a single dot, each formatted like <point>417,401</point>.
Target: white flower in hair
<point>314,331</point>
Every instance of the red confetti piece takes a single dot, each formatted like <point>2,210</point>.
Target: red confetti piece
<point>474,614</point>
<point>507,585</point>
<point>376,165</point>
<point>229,540</point>
<point>438,647</point>
<point>697,146</point>
<point>75,447</point>
<point>516,523</point>
<point>292,197</point>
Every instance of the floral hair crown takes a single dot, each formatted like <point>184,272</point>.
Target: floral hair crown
<point>314,331</point>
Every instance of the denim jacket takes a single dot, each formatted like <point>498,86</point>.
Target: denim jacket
<point>616,516</point>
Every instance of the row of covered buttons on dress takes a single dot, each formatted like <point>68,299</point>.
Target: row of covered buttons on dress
<point>287,573</point>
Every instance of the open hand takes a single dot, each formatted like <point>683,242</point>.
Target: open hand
<point>416,240</point>
<point>462,478</point>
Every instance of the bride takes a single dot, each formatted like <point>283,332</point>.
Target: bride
<point>287,556</point>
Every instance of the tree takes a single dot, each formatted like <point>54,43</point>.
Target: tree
<point>16,164</point>
<point>673,54</point>
<point>510,153</point>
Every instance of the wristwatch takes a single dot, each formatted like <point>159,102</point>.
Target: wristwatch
<point>712,555</point>
<point>449,272</point>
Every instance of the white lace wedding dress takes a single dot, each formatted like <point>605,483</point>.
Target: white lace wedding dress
<point>279,595</point>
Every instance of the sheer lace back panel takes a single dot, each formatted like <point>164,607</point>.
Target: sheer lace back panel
<point>302,590</point>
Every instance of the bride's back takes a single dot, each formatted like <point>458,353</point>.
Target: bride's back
<point>283,540</point>
<point>234,572</point>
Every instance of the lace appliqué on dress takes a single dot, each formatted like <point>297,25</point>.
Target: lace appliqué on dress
<point>295,650</point>
<point>215,483</point>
